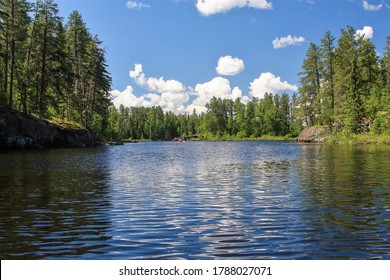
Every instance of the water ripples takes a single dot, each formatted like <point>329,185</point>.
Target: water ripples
<point>213,200</point>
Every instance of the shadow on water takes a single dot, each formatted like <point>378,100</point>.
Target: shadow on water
<point>53,204</point>
<point>346,197</point>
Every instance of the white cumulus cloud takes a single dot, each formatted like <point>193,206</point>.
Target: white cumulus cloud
<point>128,99</point>
<point>230,66</point>
<point>210,7</point>
<point>289,40</point>
<point>269,83</point>
<point>172,93</point>
<point>371,7</point>
<point>218,87</point>
<point>136,5</point>
<point>173,96</point>
<point>155,84</point>
<point>367,32</point>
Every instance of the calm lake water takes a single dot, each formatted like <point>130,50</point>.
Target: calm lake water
<point>197,200</point>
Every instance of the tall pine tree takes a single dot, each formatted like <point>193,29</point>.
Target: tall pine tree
<point>327,91</point>
<point>310,86</point>
<point>13,36</point>
<point>349,106</point>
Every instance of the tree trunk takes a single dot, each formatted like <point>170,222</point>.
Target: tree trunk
<point>26,79</point>
<point>43,70</point>
<point>11,83</point>
<point>6,59</point>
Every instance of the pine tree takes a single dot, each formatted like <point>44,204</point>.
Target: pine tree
<point>14,21</point>
<point>284,114</point>
<point>249,118</point>
<point>2,53</point>
<point>78,38</point>
<point>349,107</point>
<point>91,80</point>
<point>310,86</point>
<point>296,122</point>
<point>270,115</point>
<point>378,106</point>
<point>239,110</point>
<point>385,66</point>
<point>327,95</point>
<point>46,54</point>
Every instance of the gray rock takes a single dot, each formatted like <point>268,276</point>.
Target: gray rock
<point>22,132</point>
<point>312,135</point>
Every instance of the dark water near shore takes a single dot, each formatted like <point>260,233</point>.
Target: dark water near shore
<point>197,200</point>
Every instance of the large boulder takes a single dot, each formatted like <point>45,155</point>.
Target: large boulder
<point>18,131</point>
<point>312,135</point>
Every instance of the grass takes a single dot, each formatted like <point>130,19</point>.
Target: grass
<point>368,138</point>
<point>58,121</point>
<point>66,124</point>
<point>210,137</point>
<point>136,140</point>
<point>338,138</point>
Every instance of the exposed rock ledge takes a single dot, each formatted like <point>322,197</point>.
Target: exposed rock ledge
<point>313,135</point>
<point>21,132</point>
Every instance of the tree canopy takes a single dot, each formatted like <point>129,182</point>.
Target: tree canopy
<point>49,68</point>
<point>346,87</point>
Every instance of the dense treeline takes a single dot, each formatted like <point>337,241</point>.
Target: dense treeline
<point>224,119</point>
<point>346,87</point>
<point>48,68</point>
<point>146,123</point>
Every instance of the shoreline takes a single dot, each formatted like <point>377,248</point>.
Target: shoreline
<point>332,140</point>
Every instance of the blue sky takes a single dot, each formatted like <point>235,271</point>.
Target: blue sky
<point>180,53</point>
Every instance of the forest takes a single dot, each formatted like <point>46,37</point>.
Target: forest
<point>56,70</point>
<point>225,119</point>
<point>49,69</point>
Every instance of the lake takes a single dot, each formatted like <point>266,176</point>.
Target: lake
<point>197,200</point>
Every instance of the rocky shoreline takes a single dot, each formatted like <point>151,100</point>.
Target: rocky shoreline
<point>18,131</point>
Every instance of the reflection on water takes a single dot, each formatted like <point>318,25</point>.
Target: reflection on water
<point>53,204</point>
<point>197,200</point>
<point>350,187</point>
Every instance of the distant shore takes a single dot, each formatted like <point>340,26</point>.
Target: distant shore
<point>19,131</point>
<point>330,140</point>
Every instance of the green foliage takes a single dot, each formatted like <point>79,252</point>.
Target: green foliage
<point>241,134</point>
<point>310,85</point>
<point>97,126</point>
<point>63,123</point>
<point>381,124</point>
<point>146,123</point>
<point>345,87</point>
<point>224,120</point>
<point>48,69</point>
